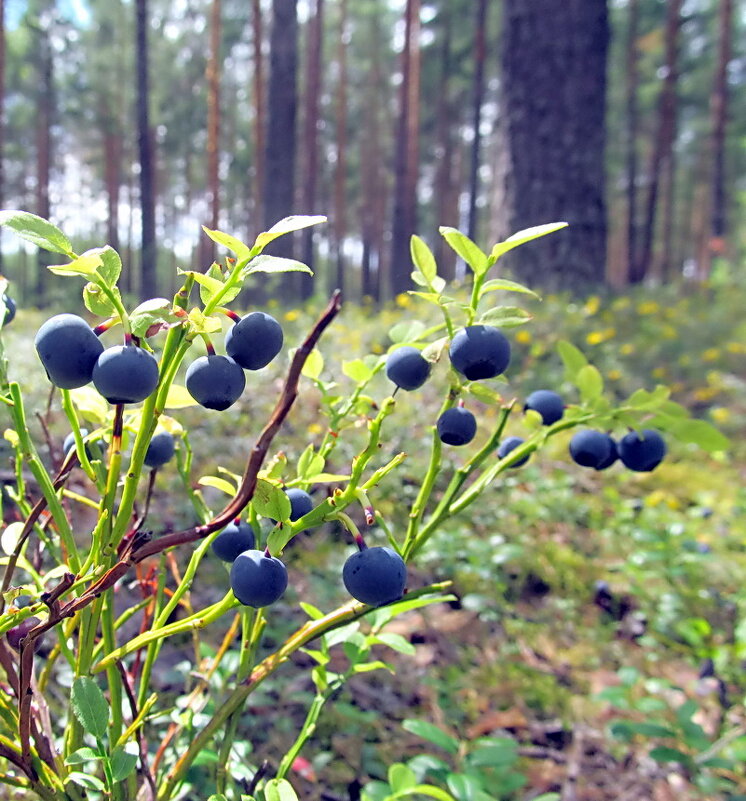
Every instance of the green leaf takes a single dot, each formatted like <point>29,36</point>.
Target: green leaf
<point>310,462</point>
<point>484,394</point>
<point>471,253</point>
<point>505,316</point>
<point>217,797</point>
<point>431,733</point>
<point>526,235</point>
<point>665,754</point>
<point>96,300</point>
<point>178,397</point>
<point>502,284</point>
<point>37,230</point>
<point>84,780</point>
<point>590,383</point>
<point>279,790</point>
<point>82,755</point>
<point>430,790</point>
<point>382,616</point>
<point>651,729</point>
<point>271,501</point>
<point>275,264</point>
<point>496,756</point>
<point>647,401</point>
<point>122,763</point>
<point>357,370</point>
<point>210,284</point>
<point>396,642</point>
<point>155,310</point>
<point>236,246</point>
<point>90,404</point>
<point>700,433</point>
<point>423,258</point>
<point>286,226</point>
<point>463,786</point>
<point>111,264</point>
<point>218,483</point>
<point>312,611</point>
<point>401,777</point>
<point>83,265</point>
<point>201,324</point>
<point>313,365</point>
<point>406,331</point>
<point>572,358</point>
<point>327,478</point>
<point>367,667</point>
<point>89,706</point>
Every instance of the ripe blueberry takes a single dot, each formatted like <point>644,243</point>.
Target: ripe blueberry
<point>457,426</point>
<point>611,458</point>
<point>480,351</point>
<point>161,449</point>
<point>642,452</point>
<point>510,444</point>
<point>10,309</point>
<point>301,502</point>
<point>254,340</point>
<point>68,349</point>
<point>125,374</point>
<point>407,368</point>
<point>375,576</point>
<point>547,403</point>
<point>258,580</point>
<point>590,448</point>
<point>233,540</point>
<point>92,449</point>
<point>215,382</point>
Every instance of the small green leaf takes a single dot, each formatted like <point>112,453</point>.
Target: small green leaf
<point>406,331</point>
<point>236,246</point>
<point>122,763</point>
<point>502,284</point>
<point>505,316</point>
<point>429,790</point>
<point>401,777</point>
<point>423,258</point>
<point>396,642</point>
<point>96,300</point>
<point>275,264</point>
<point>367,667</point>
<point>700,433</point>
<point>83,265</point>
<point>310,462</point>
<point>201,324</point>
<point>520,237</point>
<point>85,780</point>
<point>357,370</point>
<point>471,253</point>
<point>178,397</point>
<point>647,401</point>
<point>484,394</point>
<point>286,226</point>
<point>572,358</point>
<point>327,478</point>
<point>155,310</point>
<point>312,611</point>
<point>665,754</point>
<point>590,383</point>
<point>279,790</point>
<point>90,404</point>
<point>431,733</point>
<point>271,501</point>
<point>209,283</point>
<point>464,786</point>
<point>37,230</point>
<point>111,264</point>
<point>314,364</point>
<point>218,483</point>
<point>82,755</point>
<point>89,706</point>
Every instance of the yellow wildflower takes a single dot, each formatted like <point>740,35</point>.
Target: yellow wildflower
<point>592,305</point>
<point>648,307</point>
<point>524,337</point>
<point>314,428</point>
<point>291,315</point>
<point>403,300</point>
<point>627,349</point>
<point>614,375</point>
<point>711,355</point>
<point>720,414</point>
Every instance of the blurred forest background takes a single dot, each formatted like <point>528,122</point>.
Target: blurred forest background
<point>137,121</point>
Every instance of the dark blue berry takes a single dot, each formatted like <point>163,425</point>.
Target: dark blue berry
<point>161,449</point>
<point>301,503</point>
<point>233,540</point>
<point>258,580</point>
<point>254,340</point>
<point>93,449</point>
<point>642,452</point>
<point>547,403</point>
<point>457,426</point>
<point>10,309</point>
<point>215,382</point>
<point>480,351</point>
<point>407,368</point>
<point>590,448</point>
<point>510,444</point>
<point>68,349</point>
<point>611,458</point>
<point>375,576</point>
<point>125,374</point>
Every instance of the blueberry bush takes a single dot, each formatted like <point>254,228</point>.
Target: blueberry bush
<point>91,596</point>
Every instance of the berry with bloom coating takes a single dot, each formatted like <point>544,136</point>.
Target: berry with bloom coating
<point>480,351</point>
<point>407,368</point>
<point>233,540</point>
<point>161,449</point>
<point>590,448</point>
<point>547,403</point>
<point>611,458</point>
<point>301,502</point>
<point>10,309</point>
<point>125,374</point>
<point>215,382</point>
<point>375,576</point>
<point>643,451</point>
<point>457,426</point>
<point>68,349</point>
<point>510,444</point>
<point>257,579</point>
<point>254,340</point>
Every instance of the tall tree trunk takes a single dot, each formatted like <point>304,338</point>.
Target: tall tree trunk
<point>314,54</point>
<point>715,241</point>
<point>476,115</point>
<point>340,168</point>
<point>280,158</point>
<point>112,179</point>
<point>45,113</point>
<point>664,138</point>
<point>554,129</point>
<point>255,224</point>
<point>631,84</point>
<point>148,252</point>
<point>213,128</point>
<point>2,118</point>
<point>404,220</point>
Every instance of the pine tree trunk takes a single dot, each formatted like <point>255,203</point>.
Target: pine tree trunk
<point>553,92</point>
<point>340,168</point>
<point>213,123</point>
<point>45,113</point>
<point>2,118</point>
<point>280,158</point>
<point>477,101</point>
<point>664,138</point>
<point>632,81</point>
<point>255,224</point>
<point>149,254</point>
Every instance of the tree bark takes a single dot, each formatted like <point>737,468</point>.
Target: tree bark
<point>477,101</point>
<point>404,221</point>
<point>45,113</point>
<point>213,130</point>
<point>554,89</point>
<point>340,168</point>
<point>149,254</point>
<point>2,118</point>
<point>259,118</point>
<point>631,85</point>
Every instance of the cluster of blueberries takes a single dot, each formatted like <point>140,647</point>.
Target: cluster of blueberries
<point>482,351</point>
<point>73,356</point>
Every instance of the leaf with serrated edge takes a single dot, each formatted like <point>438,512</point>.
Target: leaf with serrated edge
<point>271,501</point>
<point>505,316</point>
<point>313,365</point>
<point>96,301</point>
<point>287,225</point>
<point>276,264</point>
<point>503,285</point>
<point>423,258</point>
<point>122,763</point>
<point>89,706</point>
<point>241,250</point>
<point>526,235</point>
<point>470,252</point>
<point>37,230</point>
